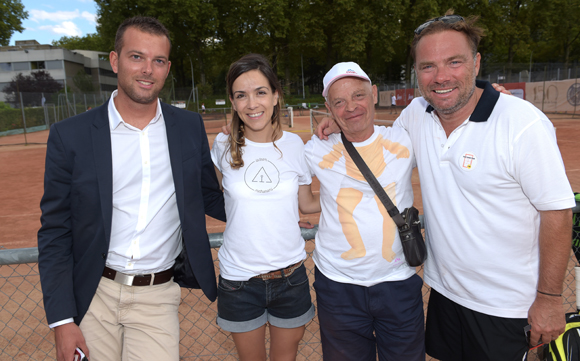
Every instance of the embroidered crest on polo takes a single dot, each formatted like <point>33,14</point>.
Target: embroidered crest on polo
<point>262,176</point>
<point>468,161</point>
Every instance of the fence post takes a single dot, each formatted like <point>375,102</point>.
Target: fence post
<point>544,88</point>
<point>23,118</point>
<point>576,89</point>
<point>46,120</point>
<point>310,121</point>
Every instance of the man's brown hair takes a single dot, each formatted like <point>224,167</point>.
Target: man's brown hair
<point>467,26</point>
<point>146,24</point>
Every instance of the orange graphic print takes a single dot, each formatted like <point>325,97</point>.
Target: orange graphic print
<point>349,198</point>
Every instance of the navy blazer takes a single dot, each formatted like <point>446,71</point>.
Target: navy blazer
<point>77,206</point>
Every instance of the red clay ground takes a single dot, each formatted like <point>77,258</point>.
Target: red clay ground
<point>22,169</point>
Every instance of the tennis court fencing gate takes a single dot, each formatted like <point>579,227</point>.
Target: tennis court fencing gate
<point>25,335</point>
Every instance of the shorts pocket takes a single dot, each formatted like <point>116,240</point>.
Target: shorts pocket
<point>229,286</point>
<point>298,277</point>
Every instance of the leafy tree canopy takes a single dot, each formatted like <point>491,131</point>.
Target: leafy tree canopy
<point>11,15</point>
<point>309,36</point>
<point>83,82</point>
<point>88,42</point>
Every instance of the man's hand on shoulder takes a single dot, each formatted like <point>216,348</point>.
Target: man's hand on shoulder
<point>546,316</point>
<point>501,88</point>
<point>326,127</point>
<point>226,129</point>
<point>68,337</point>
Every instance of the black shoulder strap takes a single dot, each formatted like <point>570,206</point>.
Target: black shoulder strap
<point>373,182</point>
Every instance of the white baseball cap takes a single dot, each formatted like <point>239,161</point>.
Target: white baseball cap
<point>341,70</point>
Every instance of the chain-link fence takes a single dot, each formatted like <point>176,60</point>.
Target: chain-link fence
<point>34,112</point>
<point>29,112</point>
<point>25,335</point>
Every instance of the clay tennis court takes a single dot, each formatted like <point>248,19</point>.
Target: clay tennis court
<point>21,177</point>
<point>22,169</point>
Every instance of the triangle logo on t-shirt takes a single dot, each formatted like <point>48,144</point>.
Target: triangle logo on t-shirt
<point>262,177</point>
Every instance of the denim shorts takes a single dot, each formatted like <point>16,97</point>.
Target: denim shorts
<point>247,305</point>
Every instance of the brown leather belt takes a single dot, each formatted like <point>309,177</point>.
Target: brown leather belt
<point>149,279</point>
<point>281,272</point>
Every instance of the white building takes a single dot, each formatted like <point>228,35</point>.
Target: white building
<point>62,64</point>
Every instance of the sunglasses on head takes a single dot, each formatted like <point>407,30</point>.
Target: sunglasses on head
<point>448,19</point>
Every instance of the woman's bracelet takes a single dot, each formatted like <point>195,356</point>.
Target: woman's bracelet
<point>550,294</point>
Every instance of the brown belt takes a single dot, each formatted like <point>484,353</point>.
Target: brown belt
<point>281,272</point>
<point>149,279</point>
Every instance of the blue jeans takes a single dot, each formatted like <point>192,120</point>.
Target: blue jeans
<point>357,321</point>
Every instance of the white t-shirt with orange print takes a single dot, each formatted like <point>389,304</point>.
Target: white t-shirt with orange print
<point>357,241</point>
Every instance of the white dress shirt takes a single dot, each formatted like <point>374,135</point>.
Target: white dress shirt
<point>146,230</point>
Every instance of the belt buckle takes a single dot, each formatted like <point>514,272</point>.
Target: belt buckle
<point>124,279</point>
<point>266,276</point>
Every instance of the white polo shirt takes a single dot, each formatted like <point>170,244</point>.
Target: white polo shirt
<point>482,189</point>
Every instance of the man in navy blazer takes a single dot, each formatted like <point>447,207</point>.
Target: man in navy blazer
<point>126,189</point>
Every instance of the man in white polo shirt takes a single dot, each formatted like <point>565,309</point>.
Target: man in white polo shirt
<point>496,201</point>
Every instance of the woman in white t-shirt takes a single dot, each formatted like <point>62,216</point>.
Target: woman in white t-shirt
<point>265,181</point>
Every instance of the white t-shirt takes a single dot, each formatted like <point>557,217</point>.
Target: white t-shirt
<point>351,213</point>
<point>261,199</point>
<point>482,189</point>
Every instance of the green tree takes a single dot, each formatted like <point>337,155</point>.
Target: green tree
<point>191,23</point>
<point>11,15</point>
<point>88,42</point>
<point>83,82</point>
<point>208,35</point>
<point>557,31</point>
<point>508,30</point>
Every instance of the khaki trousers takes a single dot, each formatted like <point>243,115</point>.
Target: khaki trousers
<point>130,323</point>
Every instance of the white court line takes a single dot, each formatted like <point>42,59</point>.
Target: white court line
<point>572,170</point>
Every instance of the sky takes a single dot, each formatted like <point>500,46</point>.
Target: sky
<point>51,20</point>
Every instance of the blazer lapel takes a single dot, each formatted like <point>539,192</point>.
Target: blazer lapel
<point>175,154</point>
<point>101,137</point>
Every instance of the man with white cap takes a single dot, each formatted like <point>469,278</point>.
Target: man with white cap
<point>368,298</point>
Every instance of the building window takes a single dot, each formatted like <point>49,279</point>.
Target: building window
<point>107,72</point>
<point>35,65</point>
<point>5,66</point>
<point>25,65</point>
<point>88,71</point>
<point>53,64</point>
